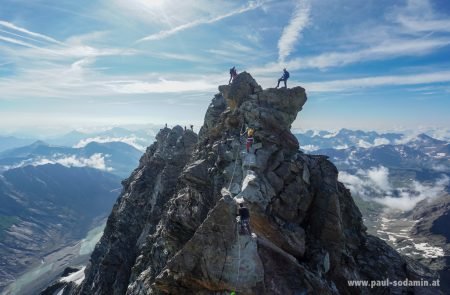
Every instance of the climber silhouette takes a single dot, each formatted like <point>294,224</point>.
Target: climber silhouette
<point>244,216</point>
<point>283,78</point>
<point>233,74</point>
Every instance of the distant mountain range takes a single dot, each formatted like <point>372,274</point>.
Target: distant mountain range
<point>344,138</point>
<point>9,142</point>
<point>408,177</point>
<point>420,152</point>
<point>45,207</point>
<point>116,157</point>
<point>52,193</point>
<point>314,140</point>
<point>351,150</point>
<point>140,138</point>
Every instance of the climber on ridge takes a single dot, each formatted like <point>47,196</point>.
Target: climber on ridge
<point>250,140</point>
<point>283,78</point>
<point>244,216</point>
<point>233,74</point>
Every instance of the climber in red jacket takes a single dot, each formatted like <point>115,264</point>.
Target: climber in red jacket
<point>250,139</point>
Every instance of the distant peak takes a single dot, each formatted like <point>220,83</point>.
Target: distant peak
<point>39,143</point>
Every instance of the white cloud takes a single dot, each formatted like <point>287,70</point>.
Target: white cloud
<point>380,177</point>
<point>292,32</point>
<point>96,161</point>
<point>374,185</point>
<point>409,197</point>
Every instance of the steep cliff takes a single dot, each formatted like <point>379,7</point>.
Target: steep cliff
<point>174,229</point>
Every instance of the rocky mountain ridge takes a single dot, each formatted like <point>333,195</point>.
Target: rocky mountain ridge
<point>174,229</point>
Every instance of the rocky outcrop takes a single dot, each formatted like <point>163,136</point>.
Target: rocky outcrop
<point>432,230</point>
<point>174,229</point>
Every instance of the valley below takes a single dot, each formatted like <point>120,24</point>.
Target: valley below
<point>52,264</point>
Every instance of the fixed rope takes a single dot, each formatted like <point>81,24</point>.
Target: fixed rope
<point>239,253</point>
<point>235,159</point>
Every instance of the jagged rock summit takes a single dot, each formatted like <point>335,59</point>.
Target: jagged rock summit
<point>174,231</point>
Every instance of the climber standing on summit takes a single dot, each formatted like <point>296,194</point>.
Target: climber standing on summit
<point>283,78</point>
<point>233,74</point>
<point>244,216</point>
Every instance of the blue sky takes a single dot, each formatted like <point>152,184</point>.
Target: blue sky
<point>374,64</point>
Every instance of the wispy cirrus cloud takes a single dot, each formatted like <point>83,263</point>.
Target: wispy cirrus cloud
<point>387,49</point>
<point>378,81</point>
<point>166,33</point>
<point>160,86</point>
<point>418,17</point>
<point>28,32</point>
<point>292,32</point>
<point>19,42</point>
<point>405,31</point>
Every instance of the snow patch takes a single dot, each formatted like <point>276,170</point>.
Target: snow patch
<point>429,251</point>
<point>310,148</point>
<point>381,141</point>
<point>76,277</point>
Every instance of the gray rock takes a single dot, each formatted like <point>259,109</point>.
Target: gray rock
<point>306,174</point>
<point>175,232</point>
<point>196,173</point>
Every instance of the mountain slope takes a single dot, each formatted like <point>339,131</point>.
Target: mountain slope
<point>178,234</point>
<point>45,207</point>
<point>9,142</point>
<point>432,227</point>
<point>429,157</point>
<point>344,138</point>
<point>116,157</point>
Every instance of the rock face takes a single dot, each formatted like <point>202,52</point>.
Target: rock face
<point>432,230</point>
<point>174,229</point>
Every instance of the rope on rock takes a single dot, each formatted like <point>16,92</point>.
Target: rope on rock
<point>235,159</point>
<point>239,253</point>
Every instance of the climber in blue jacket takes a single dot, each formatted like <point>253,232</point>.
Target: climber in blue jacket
<point>283,78</point>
